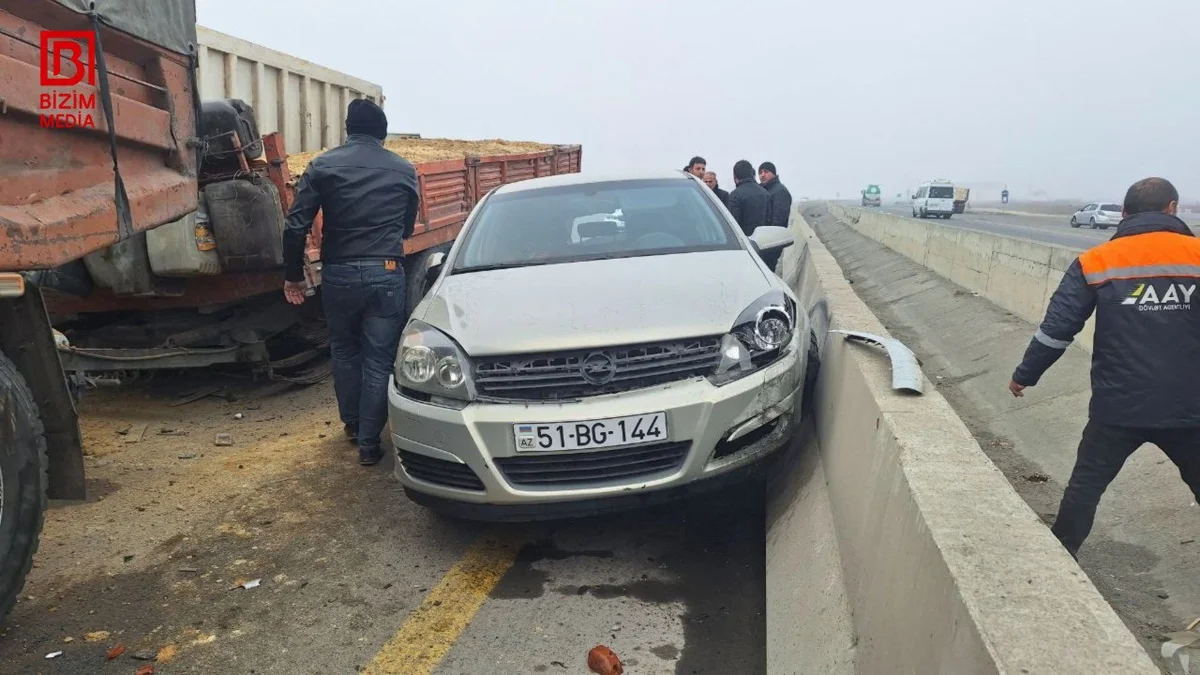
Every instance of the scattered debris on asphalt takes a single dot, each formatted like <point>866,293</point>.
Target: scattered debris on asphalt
<point>188,455</point>
<point>189,570</point>
<point>143,656</point>
<point>68,639</point>
<point>238,416</point>
<point>165,655</point>
<point>97,636</point>
<point>247,585</point>
<point>114,652</point>
<point>223,440</point>
<point>604,661</point>
<point>171,432</point>
<point>1188,541</point>
<point>135,435</point>
<point>147,669</point>
<point>1037,478</point>
<point>54,655</point>
<point>202,393</point>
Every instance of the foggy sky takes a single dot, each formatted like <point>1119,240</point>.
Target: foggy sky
<point>1075,98</point>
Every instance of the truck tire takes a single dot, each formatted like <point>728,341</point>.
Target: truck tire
<point>22,482</point>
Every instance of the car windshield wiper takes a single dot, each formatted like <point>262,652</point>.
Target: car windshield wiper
<point>500,266</point>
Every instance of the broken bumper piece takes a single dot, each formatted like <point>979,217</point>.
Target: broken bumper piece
<point>906,369</point>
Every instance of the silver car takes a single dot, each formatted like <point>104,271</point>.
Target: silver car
<point>592,344</point>
<point>1100,215</point>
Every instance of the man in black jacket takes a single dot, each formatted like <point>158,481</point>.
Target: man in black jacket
<point>710,179</point>
<point>367,196</point>
<point>1145,371</point>
<point>779,213</point>
<point>749,201</point>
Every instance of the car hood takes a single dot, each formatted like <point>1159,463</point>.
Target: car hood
<point>597,303</point>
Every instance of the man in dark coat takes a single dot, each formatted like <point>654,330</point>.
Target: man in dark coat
<point>368,199</point>
<point>780,211</point>
<point>710,179</point>
<point>1145,371</point>
<point>749,201</point>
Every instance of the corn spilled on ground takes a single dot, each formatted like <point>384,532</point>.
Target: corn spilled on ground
<point>418,150</point>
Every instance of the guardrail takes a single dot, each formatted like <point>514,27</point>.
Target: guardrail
<point>946,569</point>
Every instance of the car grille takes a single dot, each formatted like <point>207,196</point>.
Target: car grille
<point>587,468</point>
<point>560,375</point>
<point>440,471</point>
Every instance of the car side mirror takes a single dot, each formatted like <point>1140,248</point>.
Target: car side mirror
<point>433,267</point>
<point>769,238</point>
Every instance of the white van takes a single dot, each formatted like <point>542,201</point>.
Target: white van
<point>935,198</point>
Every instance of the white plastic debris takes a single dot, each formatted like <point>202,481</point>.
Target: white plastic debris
<point>1183,646</point>
<point>54,655</point>
<point>247,585</point>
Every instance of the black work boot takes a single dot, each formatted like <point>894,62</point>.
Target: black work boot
<point>351,432</point>
<point>370,456</point>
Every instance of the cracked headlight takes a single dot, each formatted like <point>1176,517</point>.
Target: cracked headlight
<point>759,337</point>
<point>430,365</point>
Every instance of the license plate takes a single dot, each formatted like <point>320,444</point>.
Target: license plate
<point>591,434</point>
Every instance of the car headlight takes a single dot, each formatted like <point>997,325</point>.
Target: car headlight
<point>759,337</point>
<point>429,362</point>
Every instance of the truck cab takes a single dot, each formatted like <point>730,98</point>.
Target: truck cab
<point>872,196</point>
<point>934,199</point>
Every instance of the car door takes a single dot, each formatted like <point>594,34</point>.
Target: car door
<point>1083,214</point>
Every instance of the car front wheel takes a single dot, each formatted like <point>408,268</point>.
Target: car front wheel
<point>811,372</point>
<point>1074,223</point>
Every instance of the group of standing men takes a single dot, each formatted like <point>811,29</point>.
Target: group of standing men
<point>753,204</point>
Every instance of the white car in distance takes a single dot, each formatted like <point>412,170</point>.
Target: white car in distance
<point>935,198</point>
<point>1098,215</point>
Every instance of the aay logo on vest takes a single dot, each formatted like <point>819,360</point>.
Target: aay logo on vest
<point>1149,298</point>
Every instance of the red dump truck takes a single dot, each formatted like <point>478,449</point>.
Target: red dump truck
<point>147,220</point>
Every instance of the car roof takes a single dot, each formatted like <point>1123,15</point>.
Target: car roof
<point>588,178</point>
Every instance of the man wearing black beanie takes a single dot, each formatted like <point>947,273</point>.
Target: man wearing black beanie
<point>367,196</point>
<point>749,201</point>
<point>779,213</point>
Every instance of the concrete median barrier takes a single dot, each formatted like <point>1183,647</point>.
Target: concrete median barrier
<point>945,568</point>
<point>1017,274</point>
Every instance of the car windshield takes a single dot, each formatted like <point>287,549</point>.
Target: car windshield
<point>941,192</point>
<point>1115,208</point>
<point>594,221</point>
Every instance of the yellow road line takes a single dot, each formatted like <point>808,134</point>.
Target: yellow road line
<point>431,630</point>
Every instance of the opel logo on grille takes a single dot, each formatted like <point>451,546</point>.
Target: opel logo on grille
<point>598,368</point>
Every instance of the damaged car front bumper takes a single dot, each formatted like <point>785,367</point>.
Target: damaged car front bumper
<point>466,461</point>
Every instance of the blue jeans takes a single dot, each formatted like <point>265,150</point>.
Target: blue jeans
<point>364,305</point>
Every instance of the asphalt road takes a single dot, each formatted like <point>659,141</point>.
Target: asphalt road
<point>1048,230</point>
<point>352,575</point>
